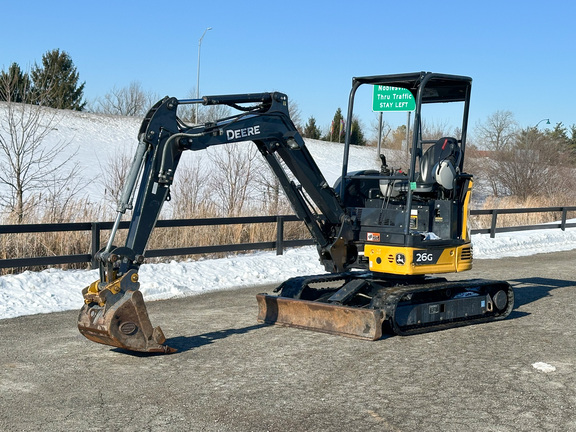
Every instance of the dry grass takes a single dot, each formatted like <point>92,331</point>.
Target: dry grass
<point>510,220</point>
<point>52,243</point>
<point>71,243</point>
<point>195,196</point>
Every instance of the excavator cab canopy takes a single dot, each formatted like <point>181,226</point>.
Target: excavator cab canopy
<point>437,87</point>
<point>433,161</point>
<point>426,88</point>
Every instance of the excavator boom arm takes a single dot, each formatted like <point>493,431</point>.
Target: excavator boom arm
<point>269,126</point>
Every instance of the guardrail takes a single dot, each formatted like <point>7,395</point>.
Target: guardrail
<point>279,243</point>
<point>563,224</point>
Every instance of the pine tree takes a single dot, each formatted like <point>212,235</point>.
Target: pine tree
<point>572,140</point>
<point>311,130</point>
<point>14,84</point>
<point>559,133</point>
<point>337,128</point>
<point>356,134</point>
<point>56,82</point>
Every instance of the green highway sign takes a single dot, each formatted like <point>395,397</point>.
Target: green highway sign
<point>387,98</point>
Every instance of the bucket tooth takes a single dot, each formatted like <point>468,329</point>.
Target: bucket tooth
<point>119,318</point>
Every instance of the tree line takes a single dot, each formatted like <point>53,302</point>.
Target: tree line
<point>525,161</point>
<point>55,83</point>
<point>508,159</point>
<point>336,131</point>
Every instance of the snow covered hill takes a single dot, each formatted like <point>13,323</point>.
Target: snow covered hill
<point>92,141</point>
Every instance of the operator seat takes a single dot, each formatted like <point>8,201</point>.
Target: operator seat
<point>439,165</point>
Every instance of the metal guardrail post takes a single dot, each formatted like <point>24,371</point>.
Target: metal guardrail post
<point>564,217</point>
<point>279,235</point>
<point>95,247</point>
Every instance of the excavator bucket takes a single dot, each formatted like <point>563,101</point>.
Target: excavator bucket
<point>322,317</point>
<point>115,315</point>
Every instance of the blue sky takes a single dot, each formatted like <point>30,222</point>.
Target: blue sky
<point>521,55</point>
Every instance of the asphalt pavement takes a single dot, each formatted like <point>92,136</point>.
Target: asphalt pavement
<point>232,374</point>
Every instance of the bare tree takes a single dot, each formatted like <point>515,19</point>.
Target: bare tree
<point>232,180</point>
<point>375,129</point>
<point>271,196</point>
<point>433,130</point>
<point>189,188</point>
<point>116,169</point>
<point>497,132</point>
<point>526,164</point>
<point>496,136</point>
<point>207,114</point>
<point>59,199</point>
<point>213,113</point>
<point>127,101</point>
<point>532,164</point>
<point>27,161</point>
<point>295,114</point>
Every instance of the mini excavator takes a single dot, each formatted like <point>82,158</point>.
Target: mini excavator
<point>383,236</point>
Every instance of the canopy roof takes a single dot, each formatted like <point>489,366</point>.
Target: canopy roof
<point>437,87</point>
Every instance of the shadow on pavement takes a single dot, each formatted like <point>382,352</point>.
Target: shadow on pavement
<point>186,343</point>
<point>528,290</point>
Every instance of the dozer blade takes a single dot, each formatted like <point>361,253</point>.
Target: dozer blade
<point>322,317</point>
<point>116,315</point>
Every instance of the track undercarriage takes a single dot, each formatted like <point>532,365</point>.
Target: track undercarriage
<point>364,305</point>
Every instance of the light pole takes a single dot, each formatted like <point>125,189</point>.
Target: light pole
<point>198,72</point>
<point>547,122</point>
